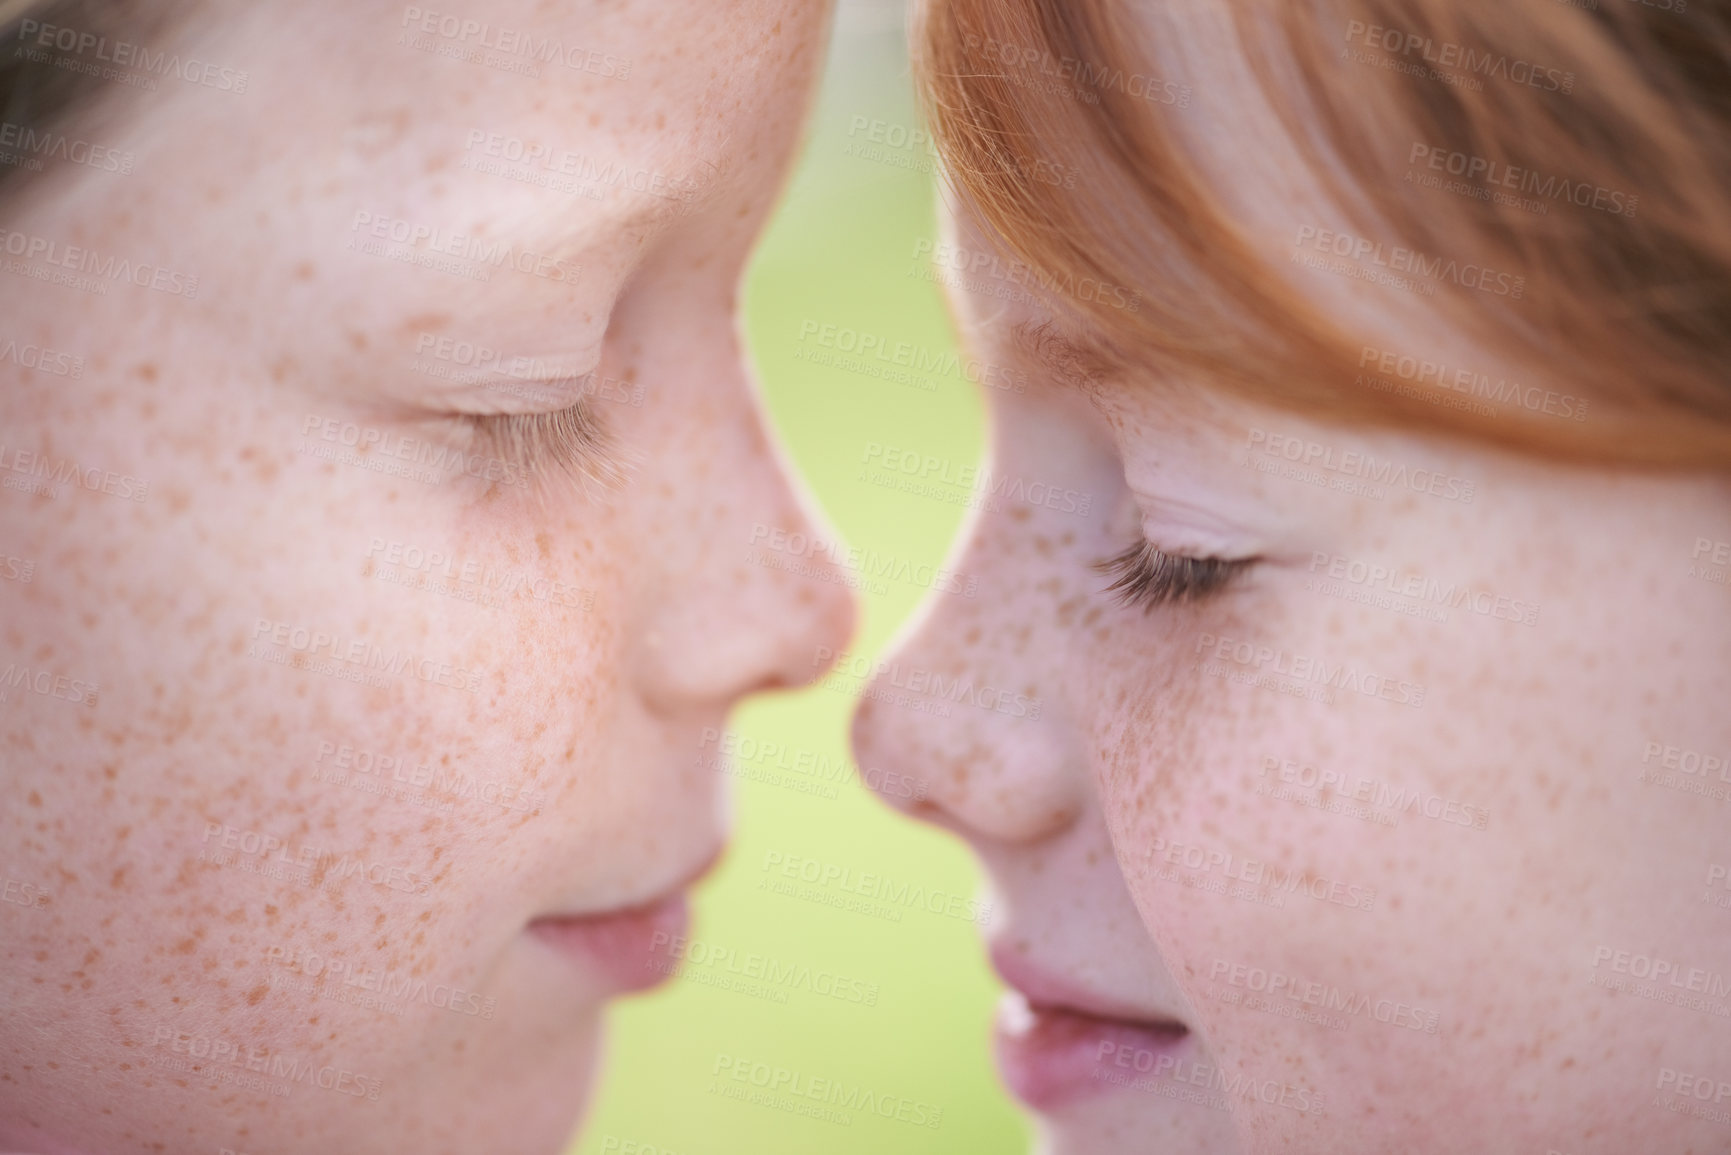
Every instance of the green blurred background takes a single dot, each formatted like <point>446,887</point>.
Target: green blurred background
<point>842,252</point>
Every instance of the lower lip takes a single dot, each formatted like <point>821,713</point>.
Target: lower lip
<point>629,951</point>
<point>1052,1057</point>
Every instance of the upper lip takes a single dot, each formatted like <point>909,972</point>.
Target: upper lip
<point>1043,989</point>
<point>669,893</point>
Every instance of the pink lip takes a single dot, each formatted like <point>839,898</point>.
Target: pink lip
<point>1053,1056</point>
<point>1058,1044</point>
<point>629,950</point>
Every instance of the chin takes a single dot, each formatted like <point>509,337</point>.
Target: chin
<point>538,1111</point>
<point>526,1090</point>
<point>1135,1123</point>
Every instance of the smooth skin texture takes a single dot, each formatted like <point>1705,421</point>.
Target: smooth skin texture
<point>566,658</point>
<point>1545,730</point>
<point>1189,733</point>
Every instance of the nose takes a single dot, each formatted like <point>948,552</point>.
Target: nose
<point>961,710</point>
<point>752,595</point>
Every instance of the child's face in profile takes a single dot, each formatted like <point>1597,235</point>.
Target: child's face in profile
<point>1407,807</point>
<point>326,708</point>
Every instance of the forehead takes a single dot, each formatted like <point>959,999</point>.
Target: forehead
<point>396,172</point>
<point>687,91</point>
<point>576,130</point>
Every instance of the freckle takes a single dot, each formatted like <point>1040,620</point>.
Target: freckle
<point>304,271</point>
<point>424,323</point>
<point>357,339</point>
<point>185,946</point>
<point>1020,513</point>
<point>256,996</point>
<point>147,370</point>
<point>35,798</point>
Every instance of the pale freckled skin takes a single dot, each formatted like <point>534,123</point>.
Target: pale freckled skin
<point>1541,727</point>
<point>597,709</point>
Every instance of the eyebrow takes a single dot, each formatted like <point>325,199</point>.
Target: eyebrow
<point>1076,362</point>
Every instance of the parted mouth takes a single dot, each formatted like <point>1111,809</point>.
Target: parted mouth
<point>1083,1017</point>
<point>1055,1054</point>
<point>1047,993</point>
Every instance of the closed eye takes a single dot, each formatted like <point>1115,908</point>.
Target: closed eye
<point>1149,577</point>
<point>570,444</point>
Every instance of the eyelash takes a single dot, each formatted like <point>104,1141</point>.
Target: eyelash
<point>1148,577</point>
<point>570,444</point>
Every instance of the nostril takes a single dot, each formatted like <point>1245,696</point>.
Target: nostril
<point>926,811</point>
